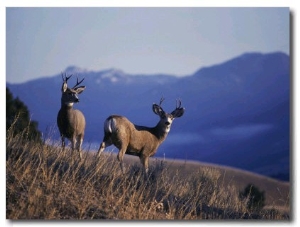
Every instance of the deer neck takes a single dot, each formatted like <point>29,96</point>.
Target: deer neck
<point>66,106</point>
<point>160,131</point>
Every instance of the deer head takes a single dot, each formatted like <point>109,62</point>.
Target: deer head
<point>70,95</point>
<point>166,119</point>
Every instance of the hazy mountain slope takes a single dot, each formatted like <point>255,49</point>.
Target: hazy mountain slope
<point>237,112</point>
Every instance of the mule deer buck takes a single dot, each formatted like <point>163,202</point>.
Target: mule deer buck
<point>71,122</point>
<point>137,140</point>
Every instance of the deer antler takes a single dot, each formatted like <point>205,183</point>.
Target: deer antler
<point>77,83</point>
<point>65,77</point>
<point>178,101</point>
<point>178,112</point>
<point>161,100</point>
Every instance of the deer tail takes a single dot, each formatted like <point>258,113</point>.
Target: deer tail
<point>110,125</point>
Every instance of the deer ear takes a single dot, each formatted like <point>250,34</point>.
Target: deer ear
<point>79,89</point>
<point>178,112</point>
<point>157,109</point>
<point>64,87</point>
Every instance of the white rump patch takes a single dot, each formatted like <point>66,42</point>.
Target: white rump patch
<point>110,125</point>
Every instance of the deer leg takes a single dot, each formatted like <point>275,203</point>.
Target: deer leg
<point>145,163</point>
<point>122,167</point>
<point>106,143</point>
<point>63,144</point>
<point>101,149</point>
<point>73,142</point>
<point>79,144</point>
<point>121,156</point>
<point>74,146</point>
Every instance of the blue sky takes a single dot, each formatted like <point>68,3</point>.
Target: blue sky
<point>178,41</point>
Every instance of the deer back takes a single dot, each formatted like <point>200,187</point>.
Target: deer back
<point>124,133</point>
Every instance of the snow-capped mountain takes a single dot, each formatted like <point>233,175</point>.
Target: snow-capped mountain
<point>237,112</point>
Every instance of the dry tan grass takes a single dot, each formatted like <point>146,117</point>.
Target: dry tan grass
<point>42,182</point>
<point>277,192</point>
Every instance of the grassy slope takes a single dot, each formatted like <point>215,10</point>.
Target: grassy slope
<point>42,182</point>
<point>277,192</point>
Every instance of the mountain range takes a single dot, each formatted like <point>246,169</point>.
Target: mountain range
<point>237,113</point>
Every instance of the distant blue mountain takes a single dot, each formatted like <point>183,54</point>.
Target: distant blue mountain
<point>237,113</point>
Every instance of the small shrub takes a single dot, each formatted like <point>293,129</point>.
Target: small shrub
<point>255,198</point>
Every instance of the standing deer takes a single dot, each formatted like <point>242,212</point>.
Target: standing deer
<point>137,140</point>
<point>71,122</point>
